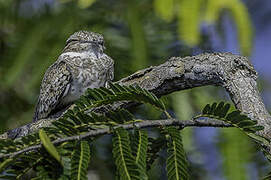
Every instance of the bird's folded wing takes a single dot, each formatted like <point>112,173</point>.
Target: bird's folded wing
<point>109,66</point>
<point>54,87</point>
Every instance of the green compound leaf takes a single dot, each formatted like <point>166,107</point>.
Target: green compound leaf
<point>80,161</point>
<point>139,150</point>
<point>49,145</point>
<point>102,96</point>
<point>4,164</point>
<point>126,164</point>
<point>177,164</point>
<point>236,118</point>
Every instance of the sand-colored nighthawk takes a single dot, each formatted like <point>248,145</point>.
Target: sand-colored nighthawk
<point>82,65</point>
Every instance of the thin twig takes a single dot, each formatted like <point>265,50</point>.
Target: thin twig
<point>207,122</point>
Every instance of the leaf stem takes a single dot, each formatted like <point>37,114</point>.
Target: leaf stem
<point>168,115</point>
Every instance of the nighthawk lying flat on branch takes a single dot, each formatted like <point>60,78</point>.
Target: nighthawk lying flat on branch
<point>82,65</point>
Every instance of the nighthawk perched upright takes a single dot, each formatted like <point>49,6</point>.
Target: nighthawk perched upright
<point>82,65</point>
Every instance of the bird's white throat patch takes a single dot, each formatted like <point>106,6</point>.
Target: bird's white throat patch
<point>79,54</point>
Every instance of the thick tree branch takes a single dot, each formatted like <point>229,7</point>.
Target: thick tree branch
<point>232,72</point>
<point>207,122</point>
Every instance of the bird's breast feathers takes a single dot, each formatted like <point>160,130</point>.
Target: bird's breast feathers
<point>87,71</point>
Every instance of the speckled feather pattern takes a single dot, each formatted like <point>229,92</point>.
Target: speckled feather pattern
<point>80,66</point>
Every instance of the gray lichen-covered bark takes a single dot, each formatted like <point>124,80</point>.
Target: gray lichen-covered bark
<point>232,72</point>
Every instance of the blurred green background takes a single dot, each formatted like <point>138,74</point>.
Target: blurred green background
<point>138,34</point>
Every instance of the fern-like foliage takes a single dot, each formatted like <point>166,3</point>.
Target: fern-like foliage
<point>80,160</point>
<point>9,146</point>
<point>18,167</point>
<point>48,145</point>
<point>236,118</point>
<point>139,148</point>
<point>133,151</point>
<point>127,167</point>
<point>177,165</point>
<point>77,120</point>
<point>103,96</point>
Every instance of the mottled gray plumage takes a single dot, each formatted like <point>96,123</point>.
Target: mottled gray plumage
<point>82,65</point>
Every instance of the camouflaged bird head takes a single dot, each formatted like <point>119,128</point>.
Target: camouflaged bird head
<point>83,40</point>
<point>86,36</point>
